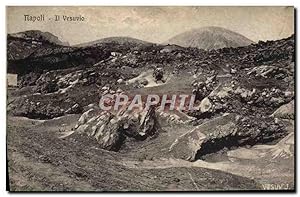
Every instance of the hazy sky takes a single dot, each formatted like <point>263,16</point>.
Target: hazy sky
<point>155,24</point>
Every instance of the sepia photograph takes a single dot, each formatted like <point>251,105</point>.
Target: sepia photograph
<point>150,98</point>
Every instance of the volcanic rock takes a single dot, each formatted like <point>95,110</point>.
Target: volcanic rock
<point>110,130</point>
<point>205,105</point>
<point>268,72</point>
<point>187,146</point>
<point>227,131</point>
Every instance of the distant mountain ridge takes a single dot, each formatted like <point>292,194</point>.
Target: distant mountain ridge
<point>116,39</point>
<point>39,36</point>
<point>209,38</point>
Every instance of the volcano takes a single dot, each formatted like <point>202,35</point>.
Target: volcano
<point>209,38</point>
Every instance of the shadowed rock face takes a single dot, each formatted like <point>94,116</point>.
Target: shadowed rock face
<point>210,38</point>
<point>223,132</point>
<point>187,145</point>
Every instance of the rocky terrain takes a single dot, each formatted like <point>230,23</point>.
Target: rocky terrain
<point>240,136</point>
<point>209,38</point>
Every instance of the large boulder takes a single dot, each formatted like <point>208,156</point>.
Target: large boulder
<point>187,146</point>
<point>111,129</point>
<point>227,131</point>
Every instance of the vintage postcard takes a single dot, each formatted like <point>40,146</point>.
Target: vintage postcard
<point>150,99</point>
